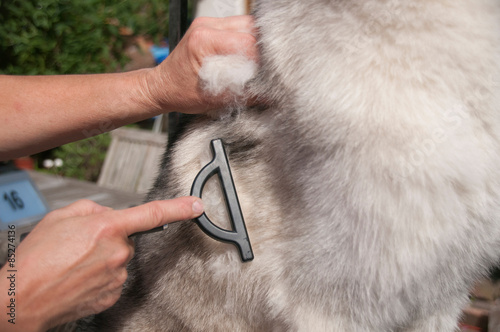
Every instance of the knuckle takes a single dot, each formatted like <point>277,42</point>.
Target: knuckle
<point>108,299</point>
<point>197,36</point>
<point>201,21</point>
<point>248,20</point>
<point>121,278</point>
<point>155,211</point>
<point>118,278</point>
<point>119,258</point>
<point>85,204</point>
<point>248,41</point>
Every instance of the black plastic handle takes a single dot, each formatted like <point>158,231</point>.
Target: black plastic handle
<point>238,236</point>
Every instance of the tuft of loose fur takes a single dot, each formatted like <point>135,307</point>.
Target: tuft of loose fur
<point>370,184</point>
<point>226,73</point>
<point>226,76</point>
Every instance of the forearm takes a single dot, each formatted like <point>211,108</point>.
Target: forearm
<point>40,112</point>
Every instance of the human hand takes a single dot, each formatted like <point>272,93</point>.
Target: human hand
<point>73,263</point>
<point>176,82</point>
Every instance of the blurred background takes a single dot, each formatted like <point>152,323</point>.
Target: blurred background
<point>46,37</point>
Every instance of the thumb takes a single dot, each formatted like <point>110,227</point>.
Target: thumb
<point>158,213</point>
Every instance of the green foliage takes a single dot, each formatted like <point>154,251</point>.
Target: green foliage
<point>73,36</point>
<point>82,160</point>
<point>40,37</point>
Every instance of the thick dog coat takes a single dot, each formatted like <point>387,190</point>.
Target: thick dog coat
<point>369,180</point>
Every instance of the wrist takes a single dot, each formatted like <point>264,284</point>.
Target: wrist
<point>152,86</point>
<point>17,317</point>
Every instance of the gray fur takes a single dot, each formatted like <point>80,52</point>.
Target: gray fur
<point>370,186</point>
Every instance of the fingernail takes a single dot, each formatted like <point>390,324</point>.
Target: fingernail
<point>198,207</point>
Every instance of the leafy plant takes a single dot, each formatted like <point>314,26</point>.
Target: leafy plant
<point>83,159</point>
<point>40,37</point>
<point>74,36</point>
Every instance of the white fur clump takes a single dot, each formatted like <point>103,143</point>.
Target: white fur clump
<point>222,74</point>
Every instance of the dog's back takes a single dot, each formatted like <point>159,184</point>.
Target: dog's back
<point>370,187</point>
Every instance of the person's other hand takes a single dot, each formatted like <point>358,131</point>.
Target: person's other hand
<point>175,81</point>
<point>73,263</point>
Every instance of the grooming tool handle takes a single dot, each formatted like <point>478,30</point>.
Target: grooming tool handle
<point>238,236</point>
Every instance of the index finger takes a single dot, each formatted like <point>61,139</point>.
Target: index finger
<point>158,213</point>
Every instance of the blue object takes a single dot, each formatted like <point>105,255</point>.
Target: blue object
<point>159,53</point>
<point>20,201</point>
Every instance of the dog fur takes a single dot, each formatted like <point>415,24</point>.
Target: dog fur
<point>370,183</point>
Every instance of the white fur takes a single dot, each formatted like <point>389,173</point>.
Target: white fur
<point>370,187</point>
<point>226,74</point>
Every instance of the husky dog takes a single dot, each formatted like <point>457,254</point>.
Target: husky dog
<point>370,183</point>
